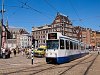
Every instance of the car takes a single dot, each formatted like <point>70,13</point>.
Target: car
<point>40,52</point>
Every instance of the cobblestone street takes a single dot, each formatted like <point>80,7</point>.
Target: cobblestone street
<point>17,64</point>
<point>49,37</point>
<point>20,65</point>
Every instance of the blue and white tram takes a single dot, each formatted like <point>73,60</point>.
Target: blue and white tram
<point>61,49</point>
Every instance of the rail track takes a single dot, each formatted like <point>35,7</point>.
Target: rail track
<point>61,69</point>
<point>58,66</point>
<point>79,64</point>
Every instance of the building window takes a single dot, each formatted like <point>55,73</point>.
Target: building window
<point>43,41</point>
<point>58,29</point>
<point>43,31</point>
<point>44,36</point>
<point>57,25</point>
<point>46,31</point>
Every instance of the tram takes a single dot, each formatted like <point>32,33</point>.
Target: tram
<point>61,49</point>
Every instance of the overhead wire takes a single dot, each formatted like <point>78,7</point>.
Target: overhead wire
<point>25,5</point>
<point>14,12</point>
<point>76,12</point>
<point>33,9</point>
<point>46,1</point>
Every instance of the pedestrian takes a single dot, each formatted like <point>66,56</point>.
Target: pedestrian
<point>14,52</point>
<point>3,53</point>
<point>6,52</point>
<point>18,51</point>
<point>22,51</point>
<point>98,50</point>
<point>29,51</point>
<point>9,52</point>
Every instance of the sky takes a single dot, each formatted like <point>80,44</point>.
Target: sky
<point>33,13</point>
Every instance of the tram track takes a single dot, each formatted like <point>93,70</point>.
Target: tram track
<point>36,69</point>
<point>39,69</point>
<point>87,70</point>
<point>26,68</point>
<point>57,66</point>
<point>80,62</point>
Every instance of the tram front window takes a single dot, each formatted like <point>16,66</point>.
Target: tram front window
<point>52,44</point>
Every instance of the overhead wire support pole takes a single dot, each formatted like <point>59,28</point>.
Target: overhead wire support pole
<point>0,37</point>
<point>2,13</point>
<point>1,23</point>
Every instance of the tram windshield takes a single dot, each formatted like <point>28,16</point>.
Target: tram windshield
<point>52,44</point>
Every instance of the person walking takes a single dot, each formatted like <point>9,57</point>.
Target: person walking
<point>98,50</point>
<point>23,51</point>
<point>3,53</point>
<point>29,51</point>
<point>14,52</point>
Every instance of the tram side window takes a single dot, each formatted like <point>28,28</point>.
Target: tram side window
<point>74,45</point>
<point>71,45</point>
<point>77,45</point>
<point>61,44</point>
<point>67,44</point>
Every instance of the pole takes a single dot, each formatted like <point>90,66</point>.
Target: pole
<point>32,56</point>
<point>0,37</point>
<point>1,23</point>
<point>2,13</point>
<point>2,10</point>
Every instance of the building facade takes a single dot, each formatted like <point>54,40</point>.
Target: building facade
<point>98,39</point>
<point>40,33</point>
<point>25,41</point>
<point>86,36</point>
<point>63,25</point>
<point>60,24</point>
<point>19,37</point>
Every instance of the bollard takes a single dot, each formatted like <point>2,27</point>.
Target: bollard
<point>32,55</point>
<point>32,60</point>
<point>98,52</point>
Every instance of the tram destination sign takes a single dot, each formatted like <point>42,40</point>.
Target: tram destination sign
<point>52,36</point>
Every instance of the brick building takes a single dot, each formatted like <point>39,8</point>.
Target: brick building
<point>60,24</point>
<point>98,38</point>
<point>63,25</point>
